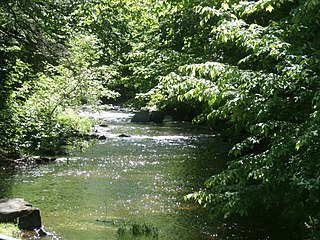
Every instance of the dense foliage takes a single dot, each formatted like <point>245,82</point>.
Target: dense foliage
<point>251,67</point>
<point>52,62</point>
<point>258,72</point>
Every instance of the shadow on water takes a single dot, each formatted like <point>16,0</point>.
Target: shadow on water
<point>7,172</point>
<point>141,179</point>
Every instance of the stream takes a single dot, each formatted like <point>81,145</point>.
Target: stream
<point>141,178</point>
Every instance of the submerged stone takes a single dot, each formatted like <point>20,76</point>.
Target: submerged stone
<point>18,210</point>
<point>123,135</point>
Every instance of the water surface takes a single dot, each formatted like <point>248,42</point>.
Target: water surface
<point>141,178</point>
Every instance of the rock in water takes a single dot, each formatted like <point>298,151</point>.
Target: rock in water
<point>102,137</point>
<point>31,220</point>
<point>18,210</point>
<point>140,117</point>
<point>122,135</point>
<point>145,116</point>
<point>157,116</point>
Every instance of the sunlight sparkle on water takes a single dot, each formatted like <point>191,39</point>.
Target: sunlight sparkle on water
<point>140,178</point>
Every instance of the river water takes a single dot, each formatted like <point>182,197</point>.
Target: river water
<point>139,179</point>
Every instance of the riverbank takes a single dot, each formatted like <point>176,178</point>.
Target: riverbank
<point>8,156</point>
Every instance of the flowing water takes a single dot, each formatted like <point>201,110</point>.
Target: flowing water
<point>141,178</point>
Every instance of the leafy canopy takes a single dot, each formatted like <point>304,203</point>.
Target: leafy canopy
<point>259,73</point>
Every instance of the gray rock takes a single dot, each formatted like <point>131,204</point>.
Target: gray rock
<point>102,137</point>
<point>140,117</point>
<point>123,135</point>
<point>157,116</point>
<point>18,210</point>
<point>31,220</point>
<point>145,116</point>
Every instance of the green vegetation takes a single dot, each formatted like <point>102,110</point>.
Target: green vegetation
<point>9,229</point>
<point>248,67</point>
<point>259,75</point>
<point>136,229</point>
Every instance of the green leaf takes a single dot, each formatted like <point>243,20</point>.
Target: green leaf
<point>269,8</point>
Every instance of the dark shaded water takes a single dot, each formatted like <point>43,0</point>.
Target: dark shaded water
<point>141,178</point>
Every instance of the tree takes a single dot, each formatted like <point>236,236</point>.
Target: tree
<point>50,66</point>
<point>29,37</point>
<point>259,73</point>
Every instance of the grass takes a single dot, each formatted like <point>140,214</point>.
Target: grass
<point>137,229</point>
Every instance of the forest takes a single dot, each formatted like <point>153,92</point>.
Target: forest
<point>248,69</point>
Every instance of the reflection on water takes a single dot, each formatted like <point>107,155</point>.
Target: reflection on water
<point>140,178</point>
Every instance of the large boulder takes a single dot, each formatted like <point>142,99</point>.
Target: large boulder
<point>156,116</point>
<point>145,116</point>
<point>30,220</point>
<point>140,117</point>
<point>20,211</point>
<point>183,112</point>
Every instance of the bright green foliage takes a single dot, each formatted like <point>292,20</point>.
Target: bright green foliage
<point>148,58</point>
<point>49,68</point>
<point>260,74</point>
<point>45,108</point>
<point>30,34</point>
<point>109,21</point>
